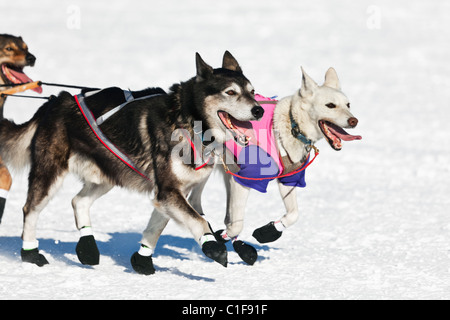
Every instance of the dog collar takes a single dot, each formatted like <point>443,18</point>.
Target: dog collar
<point>295,130</point>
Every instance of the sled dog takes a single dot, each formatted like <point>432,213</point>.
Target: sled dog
<point>14,56</point>
<point>58,141</point>
<point>292,126</point>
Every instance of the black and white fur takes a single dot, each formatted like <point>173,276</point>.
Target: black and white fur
<point>58,141</point>
<point>310,106</point>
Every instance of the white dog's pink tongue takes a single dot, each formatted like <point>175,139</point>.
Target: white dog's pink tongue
<point>341,133</point>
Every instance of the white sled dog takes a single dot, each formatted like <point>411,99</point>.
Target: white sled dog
<point>293,125</point>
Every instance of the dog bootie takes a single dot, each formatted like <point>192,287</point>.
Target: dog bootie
<point>221,236</point>
<point>213,249</point>
<point>33,256</point>
<point>267,233</point>
<point>142,264</point>
<point>87,251</point>
<point>246,252</point>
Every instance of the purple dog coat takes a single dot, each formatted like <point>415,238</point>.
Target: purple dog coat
<point>260,158</point>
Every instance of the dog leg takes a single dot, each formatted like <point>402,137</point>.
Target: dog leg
<point>86,249</point>
<point>237,196</point>
<point>5,185</point>
<point>38,197</point>
<point>141,261</point>
<point>195,197</point>
<point>274,229</point>
<point>172,202</point>
<point>195,200</point>
<point>289,197</point>
<point>168,207</point>
<point>48,170</point>
<point>246,252</point>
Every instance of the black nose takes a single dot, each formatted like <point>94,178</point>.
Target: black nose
<point>30,59</point>
<point>257,112</point>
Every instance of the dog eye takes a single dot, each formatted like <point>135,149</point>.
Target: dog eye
<point>231,92</point>
<point>9,49</point>
<point>252,92</point>
<point>331,105</point>
<point>348,105</point>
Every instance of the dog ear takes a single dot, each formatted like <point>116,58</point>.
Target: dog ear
<point>230,63</point>
<point>203,69</point>
<point>308,85</point>
<point>332,80</point>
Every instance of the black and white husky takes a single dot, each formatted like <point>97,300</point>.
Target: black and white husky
<point>58,140</point>
<point>298,122</point>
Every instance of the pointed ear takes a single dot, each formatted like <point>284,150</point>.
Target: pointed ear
<point>332,80</point>
<point>308,85</point>
<point>203,69</point>
<point>230,63</point>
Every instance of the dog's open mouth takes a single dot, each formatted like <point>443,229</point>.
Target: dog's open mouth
<point>335,134</point>
<point>242,130</point>
<point>15,75</point>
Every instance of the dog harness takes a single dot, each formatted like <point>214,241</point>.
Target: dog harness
<point>259,159</point>
<point>94,123</point>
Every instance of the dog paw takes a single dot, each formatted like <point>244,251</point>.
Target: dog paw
<point>267,233</point>
<point>142,264</point>
<point>218,236</point>
<point>215,250</point>
<point>87,251</point>
<point>245,251</point>
<point>33,256</point>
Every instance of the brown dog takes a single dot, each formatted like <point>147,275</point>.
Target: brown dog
<point>14,56</point>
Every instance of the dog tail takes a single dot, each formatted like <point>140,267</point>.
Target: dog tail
<point>15,139</point>
<point>15,143</point>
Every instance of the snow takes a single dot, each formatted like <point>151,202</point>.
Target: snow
<point>374,217</point>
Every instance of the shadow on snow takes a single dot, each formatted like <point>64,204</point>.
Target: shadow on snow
<point>119,248</point>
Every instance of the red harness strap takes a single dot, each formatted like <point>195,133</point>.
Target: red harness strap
<point>93,124</point>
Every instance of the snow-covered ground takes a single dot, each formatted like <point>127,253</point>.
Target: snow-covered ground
<point>374,218</point>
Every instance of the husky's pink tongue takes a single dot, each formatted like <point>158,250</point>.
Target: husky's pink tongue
<point>244,127</point>
<point>341,133</point>
<point>20,77</point>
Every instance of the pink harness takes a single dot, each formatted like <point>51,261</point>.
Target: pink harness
<point>259,159</point>
<point>263,135</point>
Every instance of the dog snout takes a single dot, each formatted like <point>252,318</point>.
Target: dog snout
<point>257,112</point>
<point>31,59</point>
<point>352,122</point>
